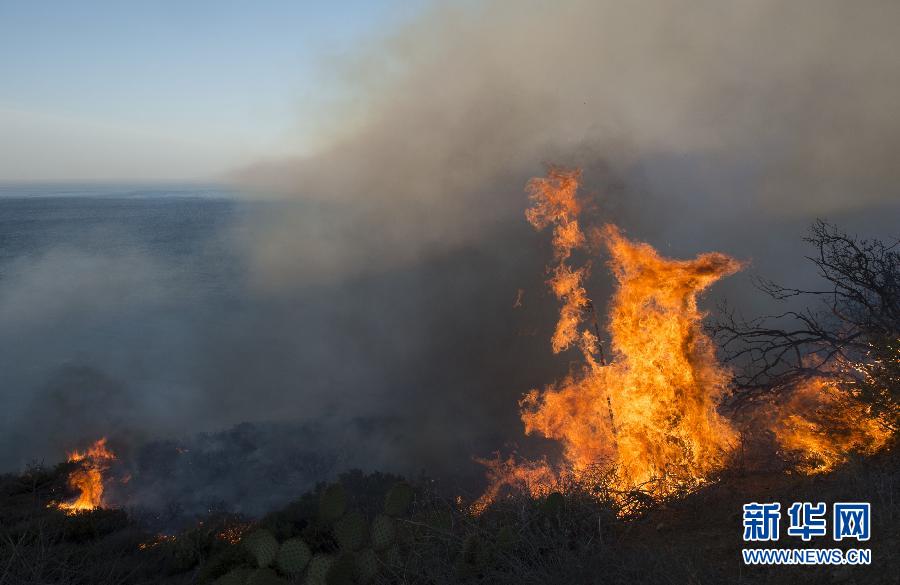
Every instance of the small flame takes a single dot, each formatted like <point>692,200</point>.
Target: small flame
<point>87,478</point>
<point>536,477</point>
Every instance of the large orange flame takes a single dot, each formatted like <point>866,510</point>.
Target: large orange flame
<point>87,477</point>
<point>651,411</point>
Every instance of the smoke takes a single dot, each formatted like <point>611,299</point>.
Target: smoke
<point>380,286</point>
<point>705,111</point>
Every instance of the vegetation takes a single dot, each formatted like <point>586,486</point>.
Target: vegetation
<point>573,536</point>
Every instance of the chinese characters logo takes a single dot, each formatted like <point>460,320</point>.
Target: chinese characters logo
<point>807,520</point>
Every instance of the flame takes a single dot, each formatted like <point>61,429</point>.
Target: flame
<point>87,478</point>
<point>651,412</point>
<point>535,477</point>
<point>822,423</point>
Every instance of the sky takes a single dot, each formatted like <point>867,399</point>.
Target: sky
<point>168,90</point>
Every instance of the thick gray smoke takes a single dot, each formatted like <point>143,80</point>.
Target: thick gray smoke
<point>702,112</point>
<point>378,293</point>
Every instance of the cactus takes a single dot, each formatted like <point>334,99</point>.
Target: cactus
<point>473,557</point>
<point>332,503</point>
<point>350,531</point>
<point>293,556</point>
<point>318,570</point>
<point>471,550</point>
<point>554,504</point>
<point>265,577</point>
<point>384,532</point>
<point>342,570</point>
<point>263,546</point>
<point>392,556</point>
<point>440,520</point>
<point>506,538</point>
<point>367,565</point>
<point>398,499</point>
<point>237,576</point>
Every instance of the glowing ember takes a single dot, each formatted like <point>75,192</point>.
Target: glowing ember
<point>87,478</point>
<point>233,533</point>
<point>157,540</point>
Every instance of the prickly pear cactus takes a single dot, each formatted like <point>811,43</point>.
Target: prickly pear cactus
<point>318,570</point>
<point>392,556</point>
<point>293,556</point>
<point>342,570</point>
<point>473,557</point>
<point>367,565</point>
<point>237,576</point>
<point>332,504</point>
<point>439,520</point>
<point>554,504</point>
<point>471,550</point>
<point>383,531</point>
<point>265,577</point>
<point>506,538</point>
<point>350,531</point>
<point>263,546</point>
<point>398,499</point>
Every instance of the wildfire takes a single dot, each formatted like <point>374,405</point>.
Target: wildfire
<point>650,412</point>
<point>87,478</point>
<point>648,418</point>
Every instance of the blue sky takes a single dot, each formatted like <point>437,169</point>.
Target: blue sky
<point>97,90</point>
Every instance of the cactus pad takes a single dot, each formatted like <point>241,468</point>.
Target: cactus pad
<point>392,556</point>
<point>332,503</point>
<point>398,499</point>
<point>235,577</point>
<point>384,532</point>
<point>265,577</point>
<point>318,570</point>
<point>342,570</point>
<point>439,520</point>
<point>350,531</point>
<point>554,504</point>
<point>473,552</point>
<point>293,556</point>
<point>367,565</point>
<point>506,538</point>
<point>263,546</point>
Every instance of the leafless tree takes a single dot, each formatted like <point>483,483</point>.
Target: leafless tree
<point>850,328</point>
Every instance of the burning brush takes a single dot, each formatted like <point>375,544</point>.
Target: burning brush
<point>651,413</point>
<point>87,477</point>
